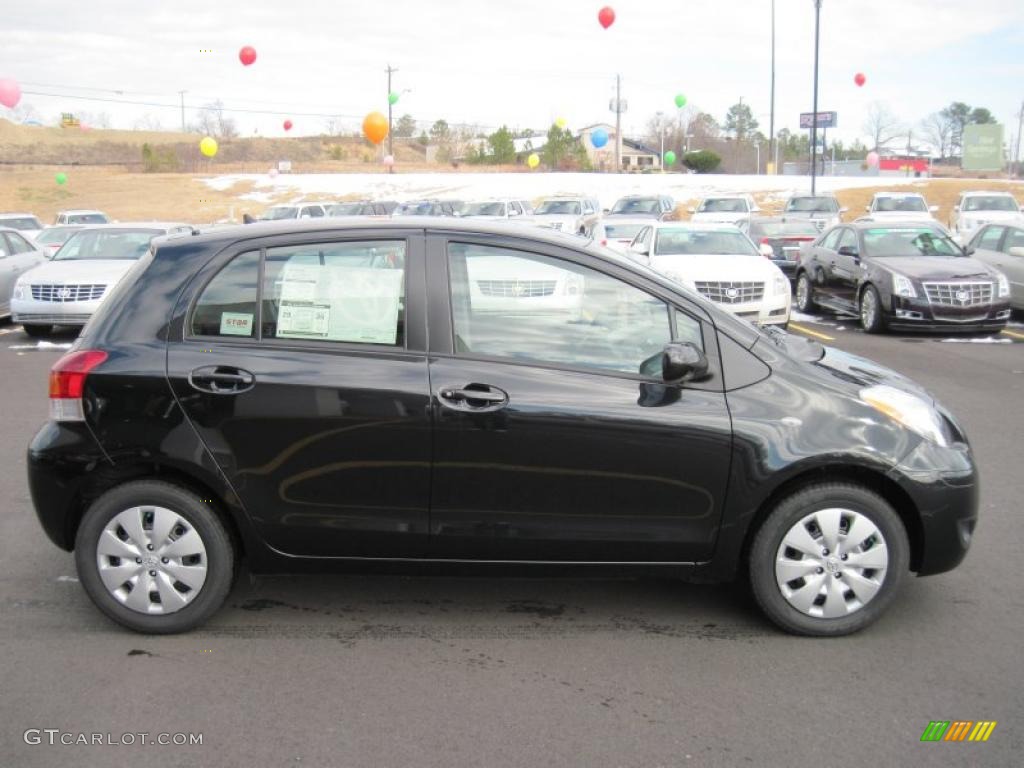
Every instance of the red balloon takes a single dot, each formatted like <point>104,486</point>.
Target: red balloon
<point>247,55</point>
<point>606,16</point>
<point>859,79</point>
<point>287,125</point>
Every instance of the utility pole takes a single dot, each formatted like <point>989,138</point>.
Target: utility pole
<point>1016,151</point>
<point>771,120</point>
<point>391,148</point>
<point>182,94</point>
<point>661,130</point>
<point>618,123</point>
<point>814,118</point>
<point>910,136</point>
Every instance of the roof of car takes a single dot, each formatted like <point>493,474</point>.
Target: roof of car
<point>134,225</point>
<point>701,226</point>
<point>986,193</point>
<point>898,194</point>
<point>867,223</point>
<point>70,211</point>
<point>10,215</point>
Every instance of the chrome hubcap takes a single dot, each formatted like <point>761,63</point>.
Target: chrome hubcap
<point>151,560</point>
<point>867,308</point>
<point>801,293</point>
<point>831,563</point>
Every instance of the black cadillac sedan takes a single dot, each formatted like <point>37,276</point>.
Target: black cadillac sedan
<point>910,276</point>
<point>300,395</point>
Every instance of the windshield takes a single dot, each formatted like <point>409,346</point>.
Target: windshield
<point>345,209</point>
<point>22,223</point>
<point>812,205</point>
<point>991,203</point>
<point>568,207</point>
<point>782,228</point>
<point>723,205</point>
<point>908,241</point>
<point>484,209</point>
<point>636,205</point>
<point>914,204</point>
<point>673,242</point>
<point>87,218</point>
<point>413,209</point>
<point>55,235</point>
<point>623,231</point>
<point>128,244</point>
<point>279,212</point>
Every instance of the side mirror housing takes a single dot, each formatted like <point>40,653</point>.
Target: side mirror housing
<point>683,361</point>
<point>933,209</point>
<point>844,209</point>
<point>767,251</point>
<point>956,207</point>
<point>867,208</point>
<point>692,210</point>
<point>848,250</point>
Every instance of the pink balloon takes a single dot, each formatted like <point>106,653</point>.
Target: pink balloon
<point>389,160</point>
<point>84,127</point>
<point>872,159</point>
<point>10,93</point>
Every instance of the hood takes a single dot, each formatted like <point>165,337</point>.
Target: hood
<point>693,267</point>
<point>977,218</point>
<point>935,267</point>
<point>900,216</point>
<point>823,215</point>
<point>74,271</point>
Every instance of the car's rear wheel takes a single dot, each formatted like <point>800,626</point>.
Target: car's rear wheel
<point>805,294</point>
<point>154,557</point>
<point>871,319</point>
<point>38,331</point>
<point>828,560</point>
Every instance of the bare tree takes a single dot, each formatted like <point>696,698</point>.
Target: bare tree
<point>148,122</point>
<point>882,125</point>
<point>938,131</point>
<point>213,122</point>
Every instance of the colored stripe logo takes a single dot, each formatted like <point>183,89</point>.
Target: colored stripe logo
<point>958,730</point>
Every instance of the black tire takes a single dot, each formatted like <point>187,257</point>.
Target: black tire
<point>788,513</point>
<point>805,303</point>
<point>220,555</point>
<point>38,331</point>
<point>870,310</point>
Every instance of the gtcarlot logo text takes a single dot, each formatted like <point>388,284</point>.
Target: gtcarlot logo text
<point>54,736</point>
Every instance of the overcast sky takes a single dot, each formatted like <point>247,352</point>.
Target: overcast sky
<point>523,63</point>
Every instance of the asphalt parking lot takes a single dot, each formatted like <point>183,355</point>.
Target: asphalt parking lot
<point>367,669</point>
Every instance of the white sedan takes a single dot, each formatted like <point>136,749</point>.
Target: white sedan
<point>719,262</point>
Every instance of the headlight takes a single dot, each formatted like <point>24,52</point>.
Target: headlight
<point>20,289</point>
<point>911,411</point>
<point>781,285</point>
<point>1004,285</point>
<point>902,286</point>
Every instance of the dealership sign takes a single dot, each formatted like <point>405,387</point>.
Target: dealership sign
<point>825,119</point>
<point>983,148</point>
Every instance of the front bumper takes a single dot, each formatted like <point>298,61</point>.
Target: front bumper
<point>771,310</point>
<point>34,312</point>
<point>943,483</point>
<point>920,314</point>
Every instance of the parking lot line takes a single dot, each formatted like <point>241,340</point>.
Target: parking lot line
<point>809,332</point>
<point>1014,334</point>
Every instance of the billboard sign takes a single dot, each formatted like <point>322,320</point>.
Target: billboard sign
<point>825,119</point>
<point>983,148</point>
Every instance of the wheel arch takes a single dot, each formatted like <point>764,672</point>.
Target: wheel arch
<point>866,477</point>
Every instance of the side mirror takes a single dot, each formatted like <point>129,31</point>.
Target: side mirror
<point>683,361</point>
<point>867,208</point>
<point>767,251</point>
<point>606,211</point>
<point>1017,250</point>
<point>956,207</point>
<point>848,250</point>
<point>692,210</point>
<point>755,209</point>
<point>844,209</point>
<point>933,209</point>
<point>510,213</point>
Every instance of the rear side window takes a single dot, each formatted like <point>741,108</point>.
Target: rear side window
<point>19,244</point>
<point>228,304</point>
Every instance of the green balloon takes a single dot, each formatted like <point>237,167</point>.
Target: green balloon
<point>670,157</point>
<point>392,98</point>
<point>62,178</point>
<point>680,100</point>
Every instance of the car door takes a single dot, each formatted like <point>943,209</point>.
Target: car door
<point>19,256</point>
<point>1012,264</point>
<point>549,444</point>
<point>822,254</point>
<point>844,275</point>
<point>302,367</point>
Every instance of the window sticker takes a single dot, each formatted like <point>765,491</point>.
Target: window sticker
<point>235,324</point>
<point>340,303</point>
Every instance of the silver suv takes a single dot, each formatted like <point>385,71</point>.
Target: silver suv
<point>575,215</point>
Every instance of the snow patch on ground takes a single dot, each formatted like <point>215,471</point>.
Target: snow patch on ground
<point>986,340</point>
<point>41,345</point>
<point>606,187</point>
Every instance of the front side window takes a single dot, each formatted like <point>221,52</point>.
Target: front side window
<point>523,306</point>
<point>19,244</point>
<point>909,241</point>
<point>350,292</point>
<point>989,239</point>
<point>1014,239</point>
<point>830,243</point>
<point>848,240</point>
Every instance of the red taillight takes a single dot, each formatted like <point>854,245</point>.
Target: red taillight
<point>764,241</point>
<point>798,239</point>
<point>67,382</point>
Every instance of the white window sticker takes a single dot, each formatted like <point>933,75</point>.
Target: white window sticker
<point>303,322</point>
<point>235,324</point>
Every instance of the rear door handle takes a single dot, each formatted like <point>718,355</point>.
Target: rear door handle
<point>473,397</point>
<point>221,379</point>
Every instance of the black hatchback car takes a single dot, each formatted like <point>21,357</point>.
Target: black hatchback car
<point>301,395</point>
<point>910,275</point>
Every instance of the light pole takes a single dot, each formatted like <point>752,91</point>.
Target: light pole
<point>771,121</point>
<point>391,150</point>
<point>661,130</point>
<point>814,111</point>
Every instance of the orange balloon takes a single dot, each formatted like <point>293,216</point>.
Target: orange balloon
<point>375,126</point>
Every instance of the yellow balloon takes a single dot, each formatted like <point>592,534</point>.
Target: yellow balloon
<point>533,160</point>
<point>560,122</point>
<point>208,146</point>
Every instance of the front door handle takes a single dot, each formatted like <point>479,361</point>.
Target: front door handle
<point>221,379</point>
<point>472,397</point>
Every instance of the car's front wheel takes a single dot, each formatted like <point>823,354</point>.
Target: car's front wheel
<point>154,557</point>
<point>805,294</point>
<point>828,560</point>
<point>871,319</point>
